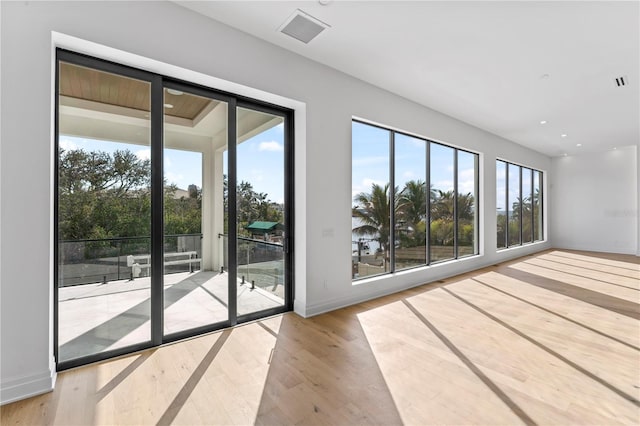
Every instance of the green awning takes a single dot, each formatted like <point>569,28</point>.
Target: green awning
<point>264,227</point>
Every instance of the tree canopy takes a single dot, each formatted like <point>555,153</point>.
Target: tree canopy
<point>108,195</point>
<point>373,210</point>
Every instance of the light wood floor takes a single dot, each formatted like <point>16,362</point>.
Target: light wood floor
<point>552,338</point>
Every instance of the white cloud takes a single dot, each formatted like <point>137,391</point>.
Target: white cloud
<point>443,185</point>
<point>367,182</point>
<point>466,181</point>
<point>67,144</point>
<point>270,146</point>
<point>370,161</point>
<point>144,154</point>
<point>365,186</point>
<point>408,174</point>
<point>175,178</point>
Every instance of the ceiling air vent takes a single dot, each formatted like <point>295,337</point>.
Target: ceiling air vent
<point>622,81</point>
<point>302,26</point>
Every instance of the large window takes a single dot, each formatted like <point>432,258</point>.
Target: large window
<point>414,201</point>
<point>518,205</point>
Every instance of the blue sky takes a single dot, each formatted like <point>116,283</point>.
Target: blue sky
<point>370,161</point>
<point>260,160</point>
<point>514,183</point>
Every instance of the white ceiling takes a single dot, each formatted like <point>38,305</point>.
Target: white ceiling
<point>481,62</point>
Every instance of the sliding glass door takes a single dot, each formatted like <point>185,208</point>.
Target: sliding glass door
<point>104,210</point>
<point>164,228</point>
<point>261,206</point>
<point>195,288</point>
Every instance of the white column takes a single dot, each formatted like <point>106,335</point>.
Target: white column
<point>217,219</point>
<point>208,195</point>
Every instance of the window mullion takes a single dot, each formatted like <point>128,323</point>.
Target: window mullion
<point>520,206</point>
<point>157,211</point>
<point>428,215</point>
<point>455,203</point>
<point>392,203</point>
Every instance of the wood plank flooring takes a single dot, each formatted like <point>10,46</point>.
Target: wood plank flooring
<point>552,338</point>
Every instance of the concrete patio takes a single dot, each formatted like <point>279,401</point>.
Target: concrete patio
<point>99,317</point>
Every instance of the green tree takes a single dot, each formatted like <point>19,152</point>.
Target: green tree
<point>182,215</point>
<point>443,216</point>
<point>373,210</point>
<point>411,214</point>
<point>412,202</point>
<point>252,206</point>
<point>104,195</point>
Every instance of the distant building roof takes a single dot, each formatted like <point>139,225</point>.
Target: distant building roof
<point>180,193</point>
<point>264,226</point>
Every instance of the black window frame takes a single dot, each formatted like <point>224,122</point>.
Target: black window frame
<point>392,195</point>
<point>158,83</point>
<point>533,171</point>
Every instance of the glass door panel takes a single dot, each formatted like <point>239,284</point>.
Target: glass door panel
<point>104,211</point>
<point>261,226</point>
<point>195,277</point>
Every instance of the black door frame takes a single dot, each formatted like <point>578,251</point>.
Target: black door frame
<point>158,83</point>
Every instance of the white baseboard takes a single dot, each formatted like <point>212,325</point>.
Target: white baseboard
<point>24,387</point>
<point>300,308</point>
<point>596,249</point>
<point>437,272</point>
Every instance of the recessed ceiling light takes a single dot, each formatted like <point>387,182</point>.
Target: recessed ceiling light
<point>578,145</point>
<point>168,106</point>
<point>544,76</point>
<point>564,135</point>
<point>543,121</point>
<point>175,92</point>
<point>325,2</point>
<point>564,155</point>
<point>615,147</point>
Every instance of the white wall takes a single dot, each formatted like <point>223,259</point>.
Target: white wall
<point>595,199</point>
<point>325,101</point>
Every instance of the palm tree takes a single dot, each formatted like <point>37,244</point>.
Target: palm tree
<point>442,206</point>
<point>412,203</point>
<point>373,210</point>
<point>466,206</point>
